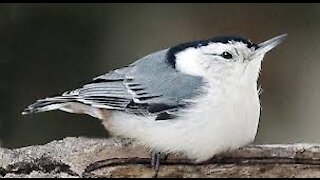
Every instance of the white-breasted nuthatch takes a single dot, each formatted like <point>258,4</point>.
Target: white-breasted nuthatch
<point>199,98</point>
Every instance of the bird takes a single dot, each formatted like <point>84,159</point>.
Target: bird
<point>199,98</point>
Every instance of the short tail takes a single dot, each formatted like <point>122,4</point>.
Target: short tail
<point>47,104</point>
<point>68,102</point>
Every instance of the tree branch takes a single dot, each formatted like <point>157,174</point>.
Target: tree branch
<point>115,157</point>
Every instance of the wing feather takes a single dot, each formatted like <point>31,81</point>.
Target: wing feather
<point>148,86</point>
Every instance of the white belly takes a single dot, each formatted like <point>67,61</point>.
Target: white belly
<point>217,123</point>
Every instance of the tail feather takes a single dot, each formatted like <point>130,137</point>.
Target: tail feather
<point>47,104</point>
<point>67,104</point>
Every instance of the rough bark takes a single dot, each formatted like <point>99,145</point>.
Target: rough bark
<point>73,157</point>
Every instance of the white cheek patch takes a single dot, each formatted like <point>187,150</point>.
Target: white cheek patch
<point>189,61</point>
<point>202,60</point>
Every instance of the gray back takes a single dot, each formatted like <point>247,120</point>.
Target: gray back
<point>149,84</point>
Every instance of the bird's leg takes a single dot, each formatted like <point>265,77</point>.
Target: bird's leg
<point>155,162</point>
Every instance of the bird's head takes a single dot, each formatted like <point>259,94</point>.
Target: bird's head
<point>227,56</point>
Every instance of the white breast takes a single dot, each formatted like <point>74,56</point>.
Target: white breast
<point>225,118</point>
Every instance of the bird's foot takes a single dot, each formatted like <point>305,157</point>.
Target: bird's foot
<point>155,163</point>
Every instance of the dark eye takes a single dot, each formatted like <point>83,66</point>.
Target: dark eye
<point>226,55</point>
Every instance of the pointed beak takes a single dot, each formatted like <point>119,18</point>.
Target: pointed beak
<point>269,44</point>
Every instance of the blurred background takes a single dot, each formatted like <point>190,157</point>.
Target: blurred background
<point>46,49</point>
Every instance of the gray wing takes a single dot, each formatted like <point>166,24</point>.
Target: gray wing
<point>148,86</point>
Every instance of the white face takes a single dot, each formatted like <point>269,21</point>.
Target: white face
<point>218,59</point>
<point>232,60</point>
